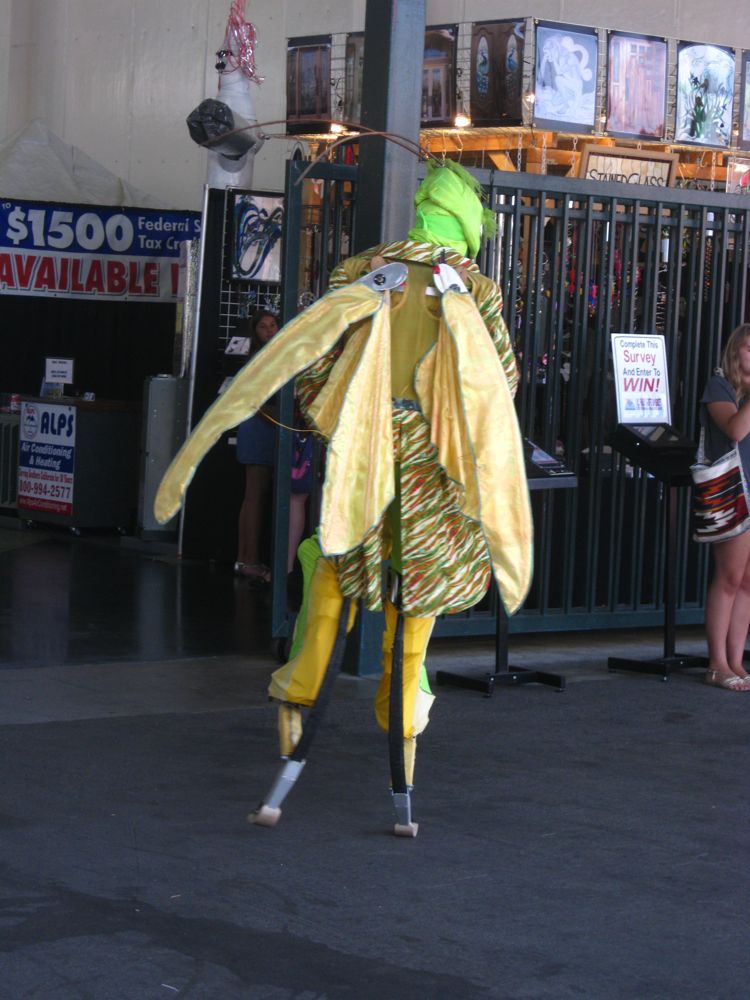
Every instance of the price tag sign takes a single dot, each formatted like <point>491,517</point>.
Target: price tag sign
<point>92,251</point>
<point>641,379</point>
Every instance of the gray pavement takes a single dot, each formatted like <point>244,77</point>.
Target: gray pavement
<point>585,844</point>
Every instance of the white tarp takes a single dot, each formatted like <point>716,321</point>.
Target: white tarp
<point>37,165</point>
<point>69,227</point>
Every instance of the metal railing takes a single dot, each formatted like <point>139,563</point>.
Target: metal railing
<point>577,261</point>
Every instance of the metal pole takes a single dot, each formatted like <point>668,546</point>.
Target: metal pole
<point>391,102</point>
<point>386,182</point>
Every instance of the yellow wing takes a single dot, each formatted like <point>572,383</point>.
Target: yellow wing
<point>297,345</point>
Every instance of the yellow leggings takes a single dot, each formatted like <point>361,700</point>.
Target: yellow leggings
<point>299,680</point>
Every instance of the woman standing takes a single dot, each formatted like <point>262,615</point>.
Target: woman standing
<point>256,450</point>
<point>725,417</point>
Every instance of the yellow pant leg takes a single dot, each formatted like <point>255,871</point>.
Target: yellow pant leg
<point>299,680</point>
<point>290,728</point>
<point>417,697</point>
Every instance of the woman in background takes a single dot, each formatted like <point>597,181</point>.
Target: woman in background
<point>725,417</point>
<point>256,450</point>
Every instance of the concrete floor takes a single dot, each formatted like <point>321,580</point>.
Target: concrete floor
<point>584,844</point>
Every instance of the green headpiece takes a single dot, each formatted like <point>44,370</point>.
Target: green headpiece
<point>449,212</point>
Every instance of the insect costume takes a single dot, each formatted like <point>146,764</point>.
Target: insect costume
<point>405,369</point>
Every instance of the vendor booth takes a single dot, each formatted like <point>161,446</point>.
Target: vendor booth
<point>89,272</point>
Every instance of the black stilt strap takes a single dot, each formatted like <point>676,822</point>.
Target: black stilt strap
<point>396,711</point>
<point>326,688</point>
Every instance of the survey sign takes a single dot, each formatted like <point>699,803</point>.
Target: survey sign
<point>641,378</point>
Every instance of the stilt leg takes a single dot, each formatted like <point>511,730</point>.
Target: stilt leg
<point>268,812</point>
<point>290,727</point>
<point>401,791</point>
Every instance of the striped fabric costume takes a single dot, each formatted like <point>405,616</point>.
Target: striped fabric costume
<point>439,551</point>
<point>445,565</point>
<point>412,389</point>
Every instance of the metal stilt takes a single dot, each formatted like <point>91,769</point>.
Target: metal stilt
<point>268,812</point>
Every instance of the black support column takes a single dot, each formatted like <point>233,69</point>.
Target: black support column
<point>391,102</point>
<point>386,182</point>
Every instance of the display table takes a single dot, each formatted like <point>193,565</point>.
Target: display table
<point>543,472</point>
<point>78,462</point>
<point>667,455</point>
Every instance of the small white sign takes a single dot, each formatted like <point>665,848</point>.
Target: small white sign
<point>58,370</point>
<point>641,378</point>
<point>238,345</point>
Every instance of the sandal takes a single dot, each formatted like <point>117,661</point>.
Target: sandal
<point>253,572</point>
<point>730,682</point>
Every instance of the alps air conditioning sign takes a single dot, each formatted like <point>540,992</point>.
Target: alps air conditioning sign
<point>91,252</point>
<point>46,458</point>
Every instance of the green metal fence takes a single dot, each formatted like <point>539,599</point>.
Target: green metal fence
<point>577,261</point>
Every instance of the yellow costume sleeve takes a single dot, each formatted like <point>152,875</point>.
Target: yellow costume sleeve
<point>299,343</point>
<point>489,301</point>
<point>314,377</point>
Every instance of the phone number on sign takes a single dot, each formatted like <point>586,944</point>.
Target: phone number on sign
<point>37,488</point>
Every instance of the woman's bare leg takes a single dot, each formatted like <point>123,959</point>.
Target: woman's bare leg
<point>730,566</point>
<point>257,485</point>
<point>738,626</point>
<point>296,525</point>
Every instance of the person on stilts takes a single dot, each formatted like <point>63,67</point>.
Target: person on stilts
<point>406,370</point>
